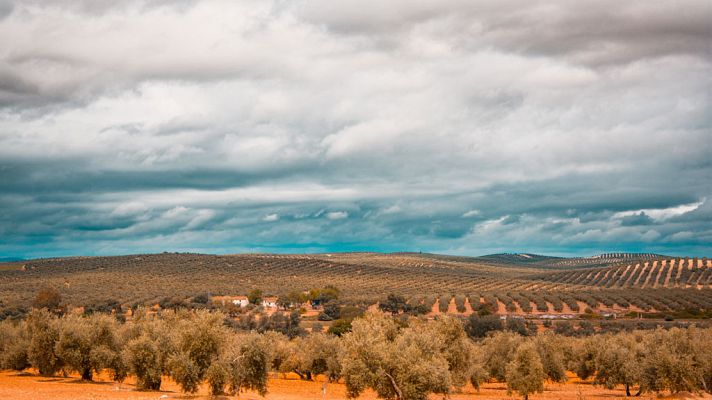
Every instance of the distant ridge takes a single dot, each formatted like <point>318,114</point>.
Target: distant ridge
<point>626,256</point>
<point>544,261</point>
<point>11,259</point>
<point>518,258</point>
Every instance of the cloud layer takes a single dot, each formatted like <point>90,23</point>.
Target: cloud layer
<point>455,126</point>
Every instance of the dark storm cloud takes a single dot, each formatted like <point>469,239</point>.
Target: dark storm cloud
<point>62,177</point>
<point>636,219</point>
<point>454,126</point>
<point>592,32</point>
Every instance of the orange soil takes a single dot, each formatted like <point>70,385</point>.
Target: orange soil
<point>501,308</point>
<point>582,306</point>
<point>468,307</point>
<point>435,309</point>
<point>452,307</point>
<point>26,386</point>
<point>550,308</point>
<point>567,310</point>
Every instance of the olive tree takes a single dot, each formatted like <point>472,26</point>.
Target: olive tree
<point>551,352</point>
<point>280,351</point>
<point>478,326</point>
<point>110,340</point>
<point>75,344</point>
<point>619,361</point>
<point>316,354</point>
<point>583,356</point>
<point>702,354</point>
<point>243,365</point>
<point>90,344</point>
<point>13,345</point>
<point>670,362</point>
<point>478,372</point>
<point>198,341</point>
<point>525,373</point>
<point>396,364</point>
<point>146,352</point>
<point>43,330</point>
<point>48,298</point>
<point>499,350</point>
<point>456,347</point>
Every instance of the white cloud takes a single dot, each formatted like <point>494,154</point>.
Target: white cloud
<point>175,212</point>
<point>557,121</point>
<point>662,213</point>
<point>201,217</point>
<point>395,208</point>
<point>270,217</point>
<point>335,215</point>
<point>129,208</point>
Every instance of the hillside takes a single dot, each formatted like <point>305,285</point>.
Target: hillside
<point>662,273</point>
<point>564,263</point>
<point>514,282</point>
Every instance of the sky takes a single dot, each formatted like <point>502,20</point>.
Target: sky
<point>455,126</point>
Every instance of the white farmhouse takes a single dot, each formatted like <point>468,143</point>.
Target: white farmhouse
<point>269,302</point>
<point>241,301</point>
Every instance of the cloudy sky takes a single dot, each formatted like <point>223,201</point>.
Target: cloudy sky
<point>455,126</point>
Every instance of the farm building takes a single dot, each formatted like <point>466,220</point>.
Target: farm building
<point>557,316</point>
<point>269,302</point>
<point>240,301</point>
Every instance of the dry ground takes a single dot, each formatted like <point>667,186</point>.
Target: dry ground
<point>27,386</point>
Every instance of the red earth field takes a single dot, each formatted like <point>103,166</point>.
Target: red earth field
<point>28,386</point>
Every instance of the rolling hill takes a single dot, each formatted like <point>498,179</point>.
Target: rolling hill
<point>516,282</point>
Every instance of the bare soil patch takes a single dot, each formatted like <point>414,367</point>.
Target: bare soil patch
<point>28,386</point>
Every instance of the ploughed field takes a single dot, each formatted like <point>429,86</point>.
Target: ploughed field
<point>516,283</point>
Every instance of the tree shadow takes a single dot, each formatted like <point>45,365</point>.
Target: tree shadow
<point>84,382</point>
<point>50,379</point>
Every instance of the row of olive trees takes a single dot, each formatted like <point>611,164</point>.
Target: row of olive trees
<point>397,358</point>
<point>189,347</point>
<point>645,361</point>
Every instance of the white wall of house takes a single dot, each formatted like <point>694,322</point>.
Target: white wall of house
<point>240,302</point>
<point>269,303</point>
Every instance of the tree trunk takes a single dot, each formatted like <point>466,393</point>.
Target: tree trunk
<point>155,385</point>
<point>87,375</point>
<point>305,376</point>
<point>399,394</point>
<point>627,390</point>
